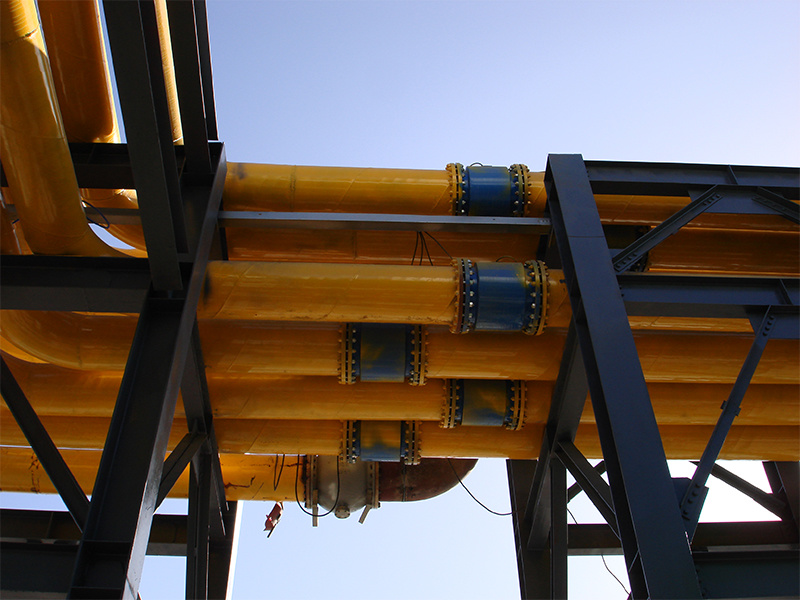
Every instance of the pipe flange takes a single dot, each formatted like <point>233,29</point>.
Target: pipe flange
<point>457,189</point>
<point>410,443</point>
<point>453,409</point>
<point>467,303</point>
<point>519,177</point>
<point>349,354</point>
<point>418,355</point>
<point>351,446</point>
<point>536,309</point>
<point>515,411</point>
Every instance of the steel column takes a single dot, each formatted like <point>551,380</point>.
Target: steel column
<point>653,538</point>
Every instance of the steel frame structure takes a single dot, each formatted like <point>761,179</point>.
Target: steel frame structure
<point>102,543</point>
<point>652,517</point>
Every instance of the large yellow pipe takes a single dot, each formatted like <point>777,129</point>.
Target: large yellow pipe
<point>252,436</point>
<point>265,187</point>
<point>34,147</point>
<point>101,343</point>
<point>244,477</point>
<point>51,391</point>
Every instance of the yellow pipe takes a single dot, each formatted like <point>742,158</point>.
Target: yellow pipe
<point>252,436</point>
<point>34,146</point>
<point>244,477</point>
<point>101,343</point>
<point>51,389</point>
<point>168,68</point>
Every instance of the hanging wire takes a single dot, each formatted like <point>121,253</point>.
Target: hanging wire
<point>416,245</point>
<point>603,558</point>
<point>494,512</point>
<point>276,474</point>
<point>99,212</point>
<point>425,248</point>
<point>440,246</point>
<point>297,496</point>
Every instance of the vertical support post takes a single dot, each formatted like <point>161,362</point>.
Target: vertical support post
<point>654,541</point>
<point>197,546</point>
<point>558,531</point>
<point>533,566</point>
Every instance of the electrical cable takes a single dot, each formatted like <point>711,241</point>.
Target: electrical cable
<point>440,246</point>
<point>297,496</point>
<point>494,512</point>
<point>603,558</point>
<point>276,475</point>
<point>99,212</point>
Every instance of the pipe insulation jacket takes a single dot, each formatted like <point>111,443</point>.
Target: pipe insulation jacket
<point>33,144</point>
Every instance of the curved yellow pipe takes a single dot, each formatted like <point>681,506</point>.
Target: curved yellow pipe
<point>34,146</point>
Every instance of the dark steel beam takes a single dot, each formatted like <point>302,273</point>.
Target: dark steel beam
<point>204,54</point>
<point>566,407</point>
<point>647,294</point>
<point>382,222</point>
<point>133,36</point>
<point>590,481</point>
<point>784,479</point>
<point>197,547</point>
<point>71,283</point>
<point>46,527</point>
<point>533,567</point>
<point>50,458</point>
<point>177,461</point>
<point>653,538</point>
<point>769,501</point>
<point>558,531</point>
<point>591,539</point>
<point>220,555</point>
<point>188,78</point>
<point>675,179</point>
<point>576,489</point>
<point>754,574</point>
<point>692,501</point>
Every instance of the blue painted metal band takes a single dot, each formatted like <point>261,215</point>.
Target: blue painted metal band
<point>383,351</point>
<point>489,192</point>
<point>485,402</point>
<point>381,441</point>
<point>502,297</point>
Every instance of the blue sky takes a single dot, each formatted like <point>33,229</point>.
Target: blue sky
<point>422,84</point>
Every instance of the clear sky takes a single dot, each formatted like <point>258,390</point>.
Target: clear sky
<point>422,84</point>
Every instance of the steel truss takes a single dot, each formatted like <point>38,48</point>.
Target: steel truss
<point>103,542</point>
<point>651,518</point>
<point>179,191</point>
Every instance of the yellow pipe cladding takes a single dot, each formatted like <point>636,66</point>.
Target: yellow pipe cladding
<point>51,391</point>
<point>34,146</point>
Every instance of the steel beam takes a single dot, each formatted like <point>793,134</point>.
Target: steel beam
<point>566,407</point>
<point>133,36</point>
<point>204,54</point>
<point>72,283</point>
<point>692,501</point>
<point>771,502</point>
<point>533,566</point>
<point>188,78</point>
<point>50,458</point>
<point>177,461</point>
<point>784,479</point>
<point>197,548</point>
<point>558,531</point>
<point>656,551</point>
<point>675,179</point>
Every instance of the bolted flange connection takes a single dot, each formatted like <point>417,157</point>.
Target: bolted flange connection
<point>481,191</point>
<point>481,402</point>
<point>495,296</point>
<point>381,441</point>
<point>383,352</point>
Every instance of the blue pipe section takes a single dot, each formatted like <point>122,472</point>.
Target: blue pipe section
<point>501,296</point>
<point>490,192</point>
<point>382,441</point>
<point>384,352</point>
<point>484,403</point>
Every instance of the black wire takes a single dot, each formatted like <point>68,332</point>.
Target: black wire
<point>425,249</point>
<point>276,475</point>
<point>99,212</point>
<point>297,496</point>
<point>438,244</point>
<point>494,512</point>
<point>603,558</point>
<point>416,244</point>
